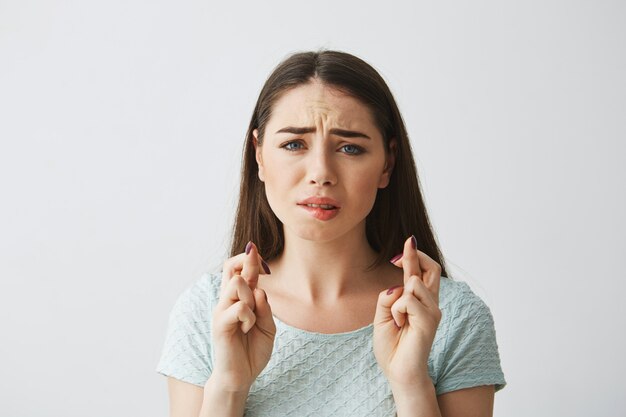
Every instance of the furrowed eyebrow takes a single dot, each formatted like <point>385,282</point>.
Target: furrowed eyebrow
<point>338,132</point>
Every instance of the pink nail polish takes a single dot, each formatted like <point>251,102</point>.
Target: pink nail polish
<point>248,247</point>
<point>266,267</point>
<point>413,242</point>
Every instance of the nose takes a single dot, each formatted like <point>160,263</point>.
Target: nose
<point>320,169</point>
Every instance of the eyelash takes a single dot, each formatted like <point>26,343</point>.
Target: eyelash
<point>359,150</point>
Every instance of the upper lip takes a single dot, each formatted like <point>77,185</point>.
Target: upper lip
<point>320,200</point>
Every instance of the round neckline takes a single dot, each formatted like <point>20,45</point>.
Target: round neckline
<point>317,335</point>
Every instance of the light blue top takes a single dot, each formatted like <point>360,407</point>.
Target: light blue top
<point>315,374</point>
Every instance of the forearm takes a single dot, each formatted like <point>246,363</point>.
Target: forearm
<point>418,400</point>
<point>218,402</point>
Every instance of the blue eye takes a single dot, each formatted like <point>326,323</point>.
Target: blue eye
<point>355,150</point>
<point>347,149</point>
<point>287,146</point>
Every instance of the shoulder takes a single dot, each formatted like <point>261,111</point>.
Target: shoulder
<point>464,314</point>
<point>463,317</point>
<point>186,353</point>
<point>193,308</point>
<point>201,296</point>
<point>456,299</point>
<point>468,353</point>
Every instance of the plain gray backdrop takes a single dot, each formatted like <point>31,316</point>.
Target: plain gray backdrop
<point>122,125</point>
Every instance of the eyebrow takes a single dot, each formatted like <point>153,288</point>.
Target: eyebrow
<point>339,132</point>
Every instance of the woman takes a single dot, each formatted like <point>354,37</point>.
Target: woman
<point>313,314</point>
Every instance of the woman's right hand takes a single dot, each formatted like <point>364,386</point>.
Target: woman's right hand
<point>243,329</point>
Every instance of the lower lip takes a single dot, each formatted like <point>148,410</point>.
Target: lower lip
<point>320,213</point>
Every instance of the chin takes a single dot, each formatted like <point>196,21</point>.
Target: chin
<point>321,233</point>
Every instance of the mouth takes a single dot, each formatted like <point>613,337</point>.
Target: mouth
<point>320,201</point>
<point>322,206</point>
<point>321,211</point>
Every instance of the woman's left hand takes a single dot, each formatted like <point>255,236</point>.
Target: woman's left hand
<point>402,352</point>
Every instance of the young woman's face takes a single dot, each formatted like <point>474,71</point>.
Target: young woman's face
<point>321,143</point>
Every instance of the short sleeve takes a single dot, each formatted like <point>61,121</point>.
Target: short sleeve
<point>186,352</point>
<point>470,355</point>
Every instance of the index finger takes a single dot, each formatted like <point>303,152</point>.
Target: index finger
<point>234,266</point>
<point>431,272</point>
<point>409,262</point>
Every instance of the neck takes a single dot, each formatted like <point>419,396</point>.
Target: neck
<point>323,272</point>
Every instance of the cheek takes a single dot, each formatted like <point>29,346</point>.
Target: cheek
<point>278,184</point>
<point>274,198</point>
<point>364,187</point>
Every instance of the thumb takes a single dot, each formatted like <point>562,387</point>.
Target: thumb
<point>263,311</point>
<point>385,300</point>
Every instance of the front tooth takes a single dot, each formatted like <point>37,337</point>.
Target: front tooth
<point>324,206</point>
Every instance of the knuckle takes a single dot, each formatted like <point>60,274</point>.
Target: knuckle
<point>233,262</point>
<point>237,281</point>
<point>418,284</point>
<point>412,300</point>
<point>411,286</point>
<point>240,307</point>
<point>228,263</point>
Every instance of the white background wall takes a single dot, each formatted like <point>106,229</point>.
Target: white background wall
<point>121,127</point>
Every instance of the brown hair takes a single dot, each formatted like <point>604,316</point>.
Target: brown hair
<point>399,209</point>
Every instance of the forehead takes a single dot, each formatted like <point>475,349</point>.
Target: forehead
<point>310,103</point>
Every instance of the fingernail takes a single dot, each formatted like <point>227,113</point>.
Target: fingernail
<point>395,258</point>
<point>248,247</point>
<point>265,267</point>
<point>265,294</point>
<point>390,290</point>
<point>394,322</point>
<point>413,242</point>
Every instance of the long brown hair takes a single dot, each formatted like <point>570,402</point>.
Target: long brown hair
<point>399,209</point>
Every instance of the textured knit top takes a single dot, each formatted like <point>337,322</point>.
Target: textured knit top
<point>317,374</point>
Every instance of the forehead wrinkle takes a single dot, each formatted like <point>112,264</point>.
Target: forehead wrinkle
<point>320,114</point>
<point>323,121</point>
<point>323,110</point>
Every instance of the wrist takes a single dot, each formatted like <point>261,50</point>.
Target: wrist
<point>419,384</point>
<point>226,385</point>
<point>221,400</point>
<point>417,398</point>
